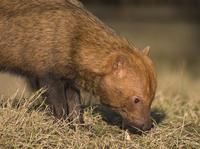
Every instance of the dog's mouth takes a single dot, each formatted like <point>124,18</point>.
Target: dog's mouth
<point>140,125</point>
<point>143,127</point>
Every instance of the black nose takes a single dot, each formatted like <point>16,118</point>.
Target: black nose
<point>147,126</point>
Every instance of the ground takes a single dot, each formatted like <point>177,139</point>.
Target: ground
<point>27,122</point>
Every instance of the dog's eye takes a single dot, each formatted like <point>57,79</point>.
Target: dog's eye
<point>135,99</point>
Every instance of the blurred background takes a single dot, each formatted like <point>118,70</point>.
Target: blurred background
<point>170,27</point>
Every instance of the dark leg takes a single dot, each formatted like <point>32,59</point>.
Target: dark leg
<point>33,83</point>
<point>62,97</point>
<point>55,96</point>
<point>74,105</point>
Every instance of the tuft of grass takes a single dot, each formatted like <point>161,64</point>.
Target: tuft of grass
<point>27,123</point>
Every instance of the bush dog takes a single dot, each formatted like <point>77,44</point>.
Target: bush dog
<point>60,45</point>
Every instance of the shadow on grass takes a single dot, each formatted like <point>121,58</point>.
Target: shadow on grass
<point>113,118</point>
<point>158,115</point>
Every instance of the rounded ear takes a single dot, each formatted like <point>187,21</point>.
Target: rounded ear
<point>119,66</point>
<point>146,51</point>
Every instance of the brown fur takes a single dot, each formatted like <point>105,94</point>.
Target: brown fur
<point>63,41</point>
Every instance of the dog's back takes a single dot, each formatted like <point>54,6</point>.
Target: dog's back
<point>36,34</point>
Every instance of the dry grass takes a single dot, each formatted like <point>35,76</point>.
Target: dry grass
<point>26,123</point>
